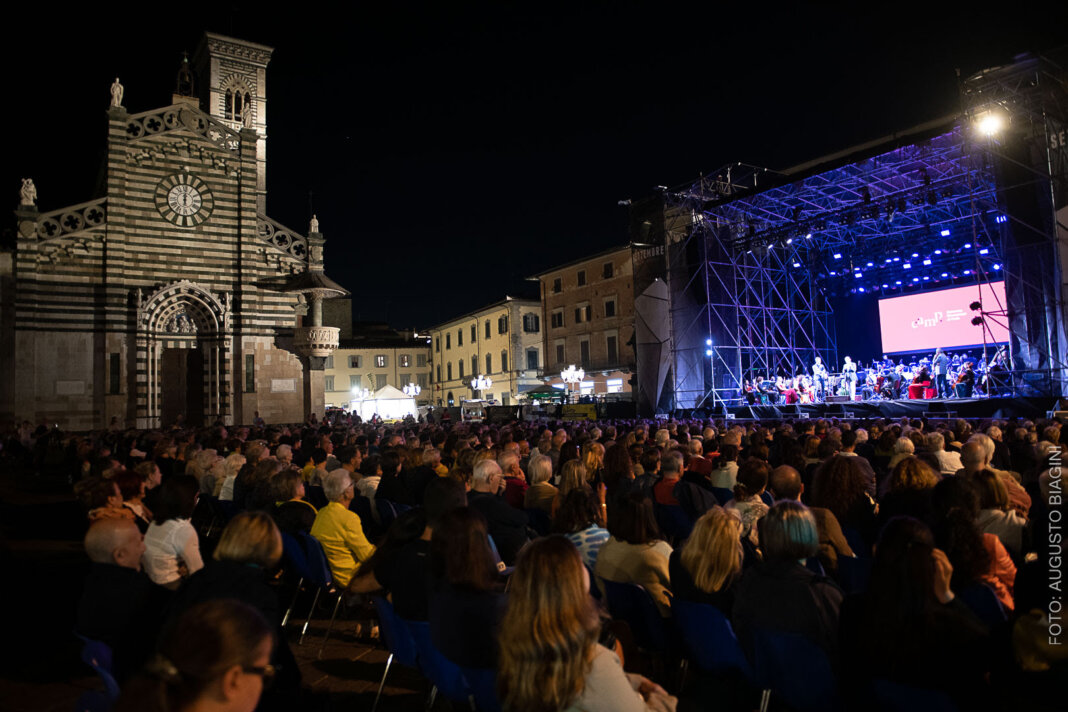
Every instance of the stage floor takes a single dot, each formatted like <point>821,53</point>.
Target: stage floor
<point>1001,407</point>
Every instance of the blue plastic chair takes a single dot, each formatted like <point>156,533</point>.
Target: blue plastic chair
<point>316,496</point>
<point>709,638</point>
<point>631,603</point>
<point>794,668</point>
<point>482,682</point>
<point>398,639</point>
<point>97,655</point>
<point>295,562</point>
<point>388,511</point>
<point>318,574</point>
<point>362,507</point>
<point>984,604</point>
<point>896,697</point>
<point>445,675</point>
<point>723,494</point>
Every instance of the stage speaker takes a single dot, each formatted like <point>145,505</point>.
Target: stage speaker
<point>837,399</point>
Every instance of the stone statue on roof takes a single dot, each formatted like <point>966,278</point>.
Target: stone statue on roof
<point>313,226</point>
<point>117,91</point>
<point>28,193</point>
<point>246,114</point>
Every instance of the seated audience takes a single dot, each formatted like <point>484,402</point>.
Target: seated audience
<point>725,468</point>
<point>216,656</point>
<point>507,526</point>
<point>172,548</point>
<point>105,502</point>
<point>996,515</point>
<point>910,485</point>
<point>635,553</point>
<point>840,487</point>
<point>561,666</point>
<point>581,519</point>
<point>292,513</point>
<point>132,490</point>
<point>541,493</point>
<point>747,502</point>
<point>339,529</point>
<point>786,484</point>
<point>707,567</point>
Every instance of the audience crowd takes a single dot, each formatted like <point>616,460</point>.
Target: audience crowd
<point>908,554</point>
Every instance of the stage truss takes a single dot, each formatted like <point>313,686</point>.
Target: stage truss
<point>753,255</point>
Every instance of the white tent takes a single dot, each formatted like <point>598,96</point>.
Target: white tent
<point>388,403</point>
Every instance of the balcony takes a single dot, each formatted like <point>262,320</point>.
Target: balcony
<point>316,340</point>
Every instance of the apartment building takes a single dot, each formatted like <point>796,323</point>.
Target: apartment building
<point>373,357</point>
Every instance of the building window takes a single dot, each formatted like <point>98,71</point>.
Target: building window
<point>451,401</point>
<point>114,374</point>
<point>405,361</point>
<point>615,385</point>
<point>355,361</point>
<point>610,307</point>
<point>560,352</point>
<point>586,388</point>
<point>381,360</point>
<point>420,360</point>
<point>531,323</point>
<point>612,348</point>
<point>437,344</point>
<point>582,313</point>
<point>504,361</point>
<point>380,381</point>
<point>355,382</point>
<point>582,278</point>
<point>439,372</point>
<point>502,325</point>
<point>448,369</point>
<point>460,365</point>
<point>459,337</point>
<point>557,286</point>
<point>474,331</point>
<point>584,353</point>
<point>532,359</point>
<point>489,364</point>
<point>474,364</point>
<point>448,341</point>
<point>607,270</point>
<point>487,329</point>
<point>405,379</point>
<point>557,318</point>
<point>328,364</point>
<point>421,379</point>
<point>328,383</point>
<point>250,373</point>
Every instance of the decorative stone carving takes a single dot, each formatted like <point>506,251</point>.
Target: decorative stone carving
<point>28,194</point>
<point>117,91</point>
<point>180,323</point>
<point>282,238</point>
<point>188,117</point>
<point>313,226</point>
<point>246,114</point>
<point>318,341</point>
<point>182,307</point>
<point>72,220</point>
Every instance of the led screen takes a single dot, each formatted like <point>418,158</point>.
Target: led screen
<point>923,322</point>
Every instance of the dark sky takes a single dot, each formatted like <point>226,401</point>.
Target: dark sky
<point>452,149</point>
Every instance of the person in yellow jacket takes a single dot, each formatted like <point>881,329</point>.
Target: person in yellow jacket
<point>339,529</point>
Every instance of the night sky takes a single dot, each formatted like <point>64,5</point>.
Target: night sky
<point>452,150</point>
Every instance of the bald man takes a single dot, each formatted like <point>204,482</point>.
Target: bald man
<point>979,451</point>
<point>785,483</point>
<point>119,606</point>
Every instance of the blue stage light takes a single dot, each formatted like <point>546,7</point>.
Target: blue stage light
<point>907,265</point>
<point>808,236</point>
<point>789,241</point>
<point>938,252</point>
<point>915,255</point>
<point>945,233</point>
<point>888,260</point>
<point>926,262</point>
<point>984,251</point>
<point>945,274</point>
<point>925,279</point>
<point>871,264</point>
<point>857,275</point>
<point>967,245</point>
<point>997,267</point>
<point>967,271</point>
<point>887,286</point>
<point>898,282</point>
<point>708,342</point>
<point>1000,219</point>
<point>897,259</point>
<point>915,279</point>
<point>797,264</point>
<point>860,289</point>
<point>837,255</point>
<point>833,273</point>
<point>708,352</point>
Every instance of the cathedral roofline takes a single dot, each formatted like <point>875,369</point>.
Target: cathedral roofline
<point>244,50</point>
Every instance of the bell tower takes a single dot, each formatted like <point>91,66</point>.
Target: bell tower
<point>233,87</point>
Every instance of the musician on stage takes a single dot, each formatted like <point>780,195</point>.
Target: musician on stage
<point>849,376</point>
<point>819,379</point>
<point>940,368</point>
<point>965,381</point>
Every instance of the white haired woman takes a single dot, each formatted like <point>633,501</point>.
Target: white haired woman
<point>339,529</point>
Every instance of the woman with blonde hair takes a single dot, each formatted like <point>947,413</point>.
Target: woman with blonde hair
<point>232,465</point>
<point>706,568</point>
<point>593,461</point>
<point>550,659</point>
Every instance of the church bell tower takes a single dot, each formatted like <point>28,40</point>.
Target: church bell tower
<point>233,87</point>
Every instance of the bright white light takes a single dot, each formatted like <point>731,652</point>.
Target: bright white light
<point>708,342</point>
<point>708,352</point>
<point>945,233</point>
<point>808,236</point>
<point>990,124</point>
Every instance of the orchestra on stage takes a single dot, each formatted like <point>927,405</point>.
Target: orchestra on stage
<point>940,375</point>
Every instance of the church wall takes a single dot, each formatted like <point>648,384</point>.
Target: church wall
<point>56,380</point>
<point>279,383</point>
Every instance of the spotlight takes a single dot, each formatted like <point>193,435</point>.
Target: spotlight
<point>945,233</point>
<point>797,264</point>
<point>857,275</point>
<point>837,255</point>
<point>808,236</point>
<point>871,264</point>
<point>906,266</point>
<point>984,251</point>
<point>925,279</point>
<point>977,320</point>
<point>886,286</point>
<point>708,342</point>
<point>997,268</point>
<point>708,352</point>
<point>967,245</point>
<point>915,279</point>
<point>976,305</point>
<point>860,289</point>
<point>789,241</point>
<point>926,262</point>
<point>938,252</point>
<point>898,282</point>
<point>967,272</point>
<point>945,274</point>
<point>897,259</point>
<point>989,123</point>
<point>915,255</point>
<point>1000,219</point>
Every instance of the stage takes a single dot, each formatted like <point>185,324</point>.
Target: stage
<point>936,408</point>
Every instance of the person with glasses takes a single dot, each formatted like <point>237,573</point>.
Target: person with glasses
<point>215,656</point>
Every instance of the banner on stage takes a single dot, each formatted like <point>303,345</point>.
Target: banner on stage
<point>925,321</point>
<point>580,411</point>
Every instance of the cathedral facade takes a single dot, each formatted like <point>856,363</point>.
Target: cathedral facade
<point>173,297</point>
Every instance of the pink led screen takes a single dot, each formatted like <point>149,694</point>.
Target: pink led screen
<point>923,322</point>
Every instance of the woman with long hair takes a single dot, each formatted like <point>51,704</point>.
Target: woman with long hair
<point>911,483</point>
<point>581,519</point>
<point>996,515</point>
<point>550,659</point>
<point>752,480</point>
<point>593,461</point>
<point>172,548</point>
<point>840,486</point>
<point>707,567</point>
<point>573,476</point>
<point>909,627</point>
<point>215,656</point>
<point>635,552</point>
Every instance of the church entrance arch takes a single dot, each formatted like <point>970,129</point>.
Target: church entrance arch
<point>184,369</point>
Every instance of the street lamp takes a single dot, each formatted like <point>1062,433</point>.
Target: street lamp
<point>572,375</point>
<point>412,390</point>
<point>481,383</point>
